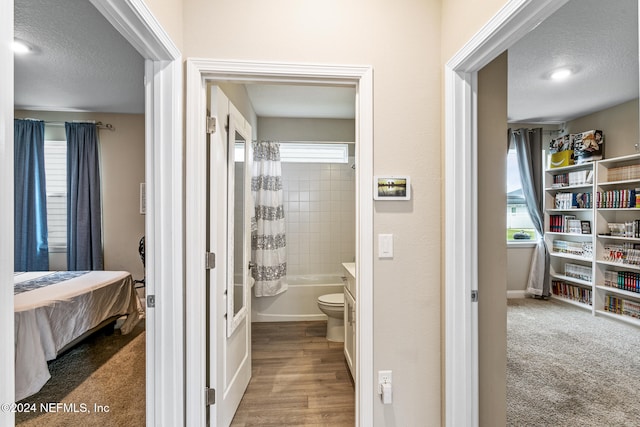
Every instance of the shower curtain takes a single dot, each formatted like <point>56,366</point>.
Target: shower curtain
<point>268,240</point>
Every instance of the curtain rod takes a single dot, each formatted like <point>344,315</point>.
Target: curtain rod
<point>549,131</point>
<point>99,125</point>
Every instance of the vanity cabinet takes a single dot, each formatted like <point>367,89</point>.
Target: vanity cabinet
<point>350,317</point>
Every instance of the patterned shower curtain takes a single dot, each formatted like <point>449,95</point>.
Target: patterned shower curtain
<point>268,240</point>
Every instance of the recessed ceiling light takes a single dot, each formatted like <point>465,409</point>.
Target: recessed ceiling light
<point>560,74</point>
<point>21,47</point>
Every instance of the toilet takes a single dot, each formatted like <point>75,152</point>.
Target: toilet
<point>333,306</point>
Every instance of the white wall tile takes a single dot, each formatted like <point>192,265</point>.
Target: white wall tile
<point>321,204</point>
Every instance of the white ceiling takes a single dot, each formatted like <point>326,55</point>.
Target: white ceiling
<point>81,63</point>
<point>598,39</point>
<point>303,101</point>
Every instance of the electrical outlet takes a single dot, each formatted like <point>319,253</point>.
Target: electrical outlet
<point>384,377</point>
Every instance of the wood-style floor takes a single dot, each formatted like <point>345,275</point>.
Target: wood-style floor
<point>299,379</point>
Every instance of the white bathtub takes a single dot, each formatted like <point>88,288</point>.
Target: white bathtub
<point>299,302</point>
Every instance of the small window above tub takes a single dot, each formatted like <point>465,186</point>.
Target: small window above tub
<point>308,152</point>
<point>314,152</point>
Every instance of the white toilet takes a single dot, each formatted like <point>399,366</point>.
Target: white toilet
<point>333,306</point>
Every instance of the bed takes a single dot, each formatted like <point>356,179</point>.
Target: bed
<point>56,309</point>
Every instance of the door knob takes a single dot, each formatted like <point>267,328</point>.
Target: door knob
<point>251,264</point>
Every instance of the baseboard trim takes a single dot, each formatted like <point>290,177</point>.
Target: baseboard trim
<point>516,294</point>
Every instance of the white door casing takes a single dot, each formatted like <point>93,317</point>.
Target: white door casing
<point>7,355</point>
<point>164,219</point>
<point>229,350</point>
<point>513,21</point>
<point>199,73</point>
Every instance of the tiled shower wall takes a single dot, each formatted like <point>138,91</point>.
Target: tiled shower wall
<point>319,204</point>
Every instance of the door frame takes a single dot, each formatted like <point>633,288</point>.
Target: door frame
<point>163,222</point>
<point>198,73</point>
<point>513,21</point>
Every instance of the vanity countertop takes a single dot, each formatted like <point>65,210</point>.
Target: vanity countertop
<point>350,267</point>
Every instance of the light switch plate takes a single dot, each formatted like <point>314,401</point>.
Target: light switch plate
<point>385,245</point>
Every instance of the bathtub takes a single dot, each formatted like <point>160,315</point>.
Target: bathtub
<point>298,302</point>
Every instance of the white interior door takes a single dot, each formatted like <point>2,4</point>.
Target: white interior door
<point>229,345</point>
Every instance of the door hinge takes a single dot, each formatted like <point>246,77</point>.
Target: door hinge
<point>211,124</point>
<point>210,395</point>
<point>210,260</point>
<point>474,296</point>
<point>151,301</point>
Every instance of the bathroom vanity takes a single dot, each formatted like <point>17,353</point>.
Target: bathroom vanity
<point>350,298</point>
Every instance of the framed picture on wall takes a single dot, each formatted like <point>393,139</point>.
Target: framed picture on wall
<point>392,187</point>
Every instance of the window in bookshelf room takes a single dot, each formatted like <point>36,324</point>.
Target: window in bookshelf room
<point>519,225</point>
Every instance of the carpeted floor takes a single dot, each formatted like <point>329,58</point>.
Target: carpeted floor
<point>100,382</point>
<point>566,367</point>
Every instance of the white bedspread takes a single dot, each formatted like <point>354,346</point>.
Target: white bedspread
<point>49,318</point>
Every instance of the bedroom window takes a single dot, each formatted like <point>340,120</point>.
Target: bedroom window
<point>520,228</point>
<point>55,165</point>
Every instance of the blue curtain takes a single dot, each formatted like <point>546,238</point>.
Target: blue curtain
<point>31,249</point>
<point>84,216</point>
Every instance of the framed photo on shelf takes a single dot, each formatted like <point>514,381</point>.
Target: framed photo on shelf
<point>586,227</point>
<point>396,187</point>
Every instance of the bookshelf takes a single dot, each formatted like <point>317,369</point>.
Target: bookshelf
<point>617,238</point>
<point>568,233</point>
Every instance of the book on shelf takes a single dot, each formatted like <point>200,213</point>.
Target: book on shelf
<point>624,229</point>
<point>582,200</point>
<point>623,253</point>
<point>574,178</point>
<point>582,249</point>
<point>571,292</point>
<point>577,271</point>
<point>623,173</point>
<point>568,224</point>
<point>626,280</point>
<point>625,198</point>
<point>560,180</point>
<point>625,307</point>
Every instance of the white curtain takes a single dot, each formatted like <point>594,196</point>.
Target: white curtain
<point>528,145</point>
<point>268,239</point>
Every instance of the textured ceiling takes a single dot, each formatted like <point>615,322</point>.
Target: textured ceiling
<point>82,63</point>
<point>79,63</point>
<point>598,39</point>
<point>303,101</point>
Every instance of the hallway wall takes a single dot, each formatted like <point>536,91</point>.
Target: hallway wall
<point>400,41</point>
